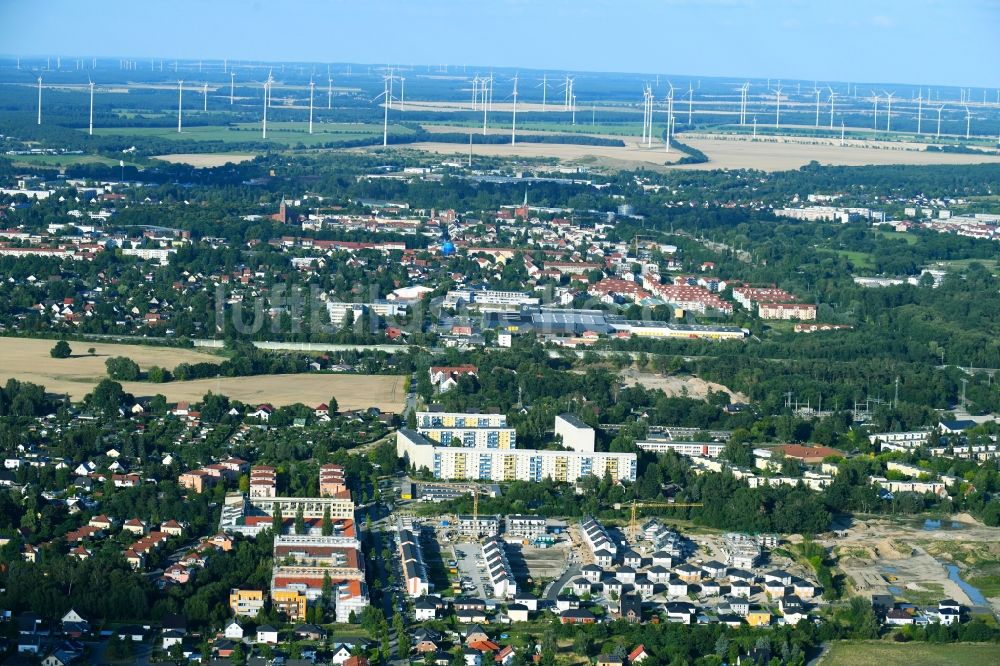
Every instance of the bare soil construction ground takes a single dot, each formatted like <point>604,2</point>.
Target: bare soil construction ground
<point>29,360</point>
<point>202,160</point>
<point>900,557</point>
<point>675,385</point>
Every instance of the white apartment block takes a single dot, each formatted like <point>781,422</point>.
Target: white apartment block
<point>786,311</point>
<point>597,538</point>
<point>338,310</point>
<point>499,570</point>
<point>472,438</point>
<point>415,576</point>
<point>701,449</point>
<point>456,463</point>
<point>460,420</point>
<point>897,441</point>
<point>575,434</point>
<point>526,527</point>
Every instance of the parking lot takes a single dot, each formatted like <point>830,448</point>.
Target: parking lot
<point>471,569</point>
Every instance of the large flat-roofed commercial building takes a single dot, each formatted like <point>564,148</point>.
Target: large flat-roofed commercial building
<point>575,434</point>
<point>456,463</point>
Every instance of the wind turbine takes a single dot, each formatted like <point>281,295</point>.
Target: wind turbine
<point>755,127</point>
<point>544,86</point>
<point>90,130</point>
<point>875,95</point>
<point>329,90</point>
<point>670,111</point>
<point>816,90</point>
<point>833,99</point>
<point>267,101</point>
<point>39,100</point>
<point>690,101</point>
<point>180,103</point>
<point>513,117</point>
<point>475,91</point>
<point>387,94</point>
<point>920,109</point>
<point>312,89</point>
<point>888,122</point>
<point>204,92</point>
<point>777,110</point>
<point>939,110</point>
<point>743,102</point>
<point>574,109</point>
<point>968,122</point>
<point>232,85</point>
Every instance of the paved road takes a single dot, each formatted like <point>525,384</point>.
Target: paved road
<point>556,586</point>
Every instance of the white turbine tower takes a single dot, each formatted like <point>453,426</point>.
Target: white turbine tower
<point>833,100</point>
<point>690,102</point>
<point>329,91</point>
<point>968,122</point>
<point>777,110</point>
<point>39,100</point>
<point>670,112</point>
<point>817,107</point>
<point>888,122</point>
<point>312,89</point>
<point>267,101</point>
<point>387,95</point>
<point>180,103</point>
<point>513,117</point>
<point>90,129</point>
<point>544,86</point>
<point>920,110</point>
<point>939,110</point>
<point>204,92</point>
<point>755,127</point>
<point>232,85</point>
<point>875,96</point>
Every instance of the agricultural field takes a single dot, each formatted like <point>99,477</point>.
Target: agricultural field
<point>883,653</point>
<point>630,156</point>
<point>29,360</point>
<point>203,160</point>
<point>387,392</point>
<point>279,133</point>
<point>771,154</point>
<point>60,161</point>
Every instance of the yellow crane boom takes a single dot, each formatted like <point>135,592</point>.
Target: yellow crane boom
<point>634,506</point>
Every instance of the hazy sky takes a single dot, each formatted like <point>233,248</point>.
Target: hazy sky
<point>935,42</point>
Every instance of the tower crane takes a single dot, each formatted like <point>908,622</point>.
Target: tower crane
<point>634,506</point>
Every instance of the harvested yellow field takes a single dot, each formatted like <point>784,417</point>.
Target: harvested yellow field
<point>782,154</point>
<point>625,157</point>
<point>204,160</point>
<point>28,360</point>
<point>387,392</point>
